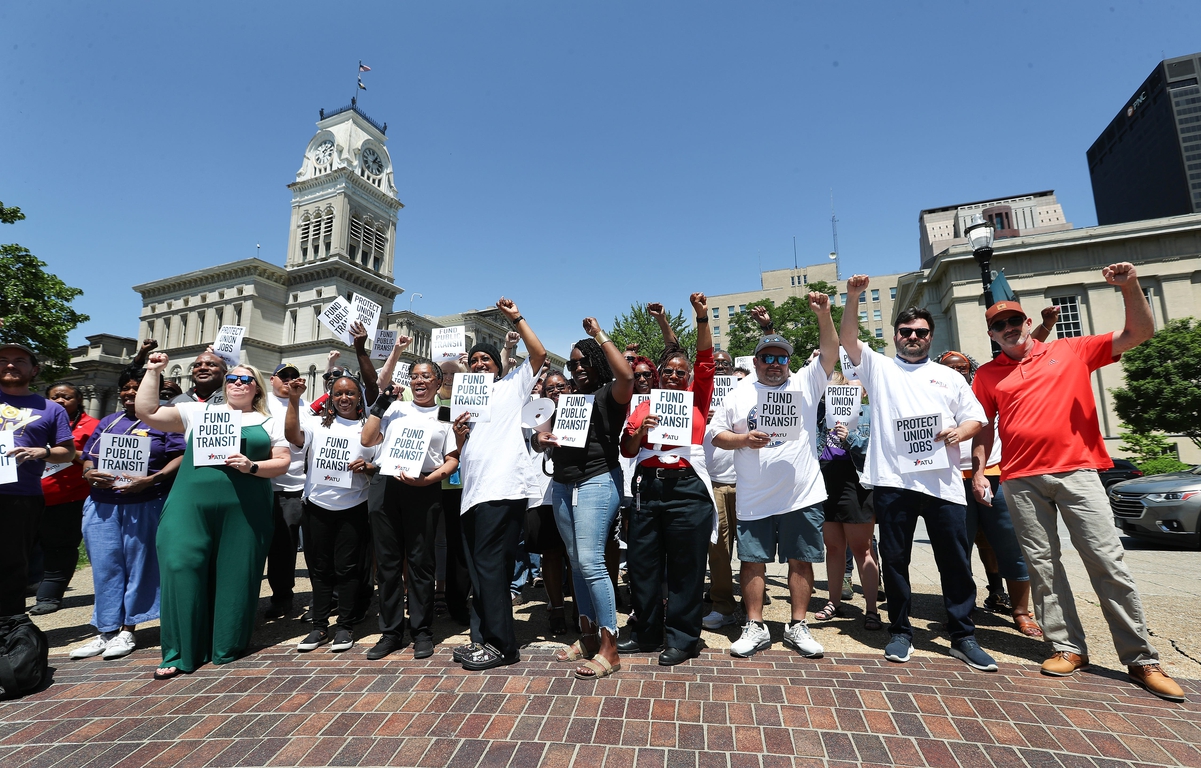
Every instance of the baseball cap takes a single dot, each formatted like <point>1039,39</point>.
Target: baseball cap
<point>773,340</point>
<point>285,367</point>
<point>1003,308</point>
<point>33,356</point>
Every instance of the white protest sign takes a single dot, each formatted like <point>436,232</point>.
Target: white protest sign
<point>571,420</point>
<point>8,465</point>
<point>365,311</point>
<point>448,343</point>
<point>472,394</point>
<point>330,464</point>
<point>916,448</point>
<point>637,400</point>
<point>848,370</point>
<point>401,375</point>
<point>721,387</point>
<point>126,456</point>
<point>747,363</point>
<point>381,345</point>
<point>778,413</point>
<point>336,318</point>
<point>228,345</point>
<point>405,447</point>
<point>54,469</point>
<point>842,405</point>
<point>216,436</point>
<point>674,409</point>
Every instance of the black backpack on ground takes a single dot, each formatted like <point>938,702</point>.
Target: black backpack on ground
<point>24,656</point>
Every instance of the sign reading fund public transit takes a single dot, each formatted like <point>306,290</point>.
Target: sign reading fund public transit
<point>448,343</point>
<point>571,420</point>
<point>216,436</point>
<point>331,461</point>
<point>472,394</point>
<point>126,456</point>
<point>405,446</point>
<point>778,414</point>
<point>674,409</point>
<point>919,451</point>
<point>8,465</point>
<point>721,387</point>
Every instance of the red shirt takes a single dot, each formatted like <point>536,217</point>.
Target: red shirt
<point>68,484</point>
<point>1048,415</point>
<point>702,393</point>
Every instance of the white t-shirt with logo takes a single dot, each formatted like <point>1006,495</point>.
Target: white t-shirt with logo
<point>294,479</point>
<point>898,390</point>
<point>332,497</point>
<point>442,439</point>
<point>784,475</point>
<point>494,463</point>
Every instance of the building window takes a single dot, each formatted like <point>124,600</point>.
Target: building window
<point>742,307</point>
<point>717,330</point>
<point>876,314</point>
<point>716,347</point>
<point>292,327</point>
<point>892,293</point>
<point>1069,317</point>
<point>237,314</point>
<point>166,333</point>
<point>317,309</point>
<point>183,330</point>
<point>863,315</point>
<point>794,279</point>
<point>842,299</point>
<point>863,297</point>
<point>804,278</point>
<point>875,294</point>
<point>730,311</point>
<point>200,327</point>
<point>879,333</point>
<point>1147,294</point>
<point>717,313</point>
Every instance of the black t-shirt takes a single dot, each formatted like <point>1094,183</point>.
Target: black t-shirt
<point>603,451</point>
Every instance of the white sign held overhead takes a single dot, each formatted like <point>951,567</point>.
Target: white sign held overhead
<point>449,343</point>
<point>778,414</point>
<point>8,465</point>
<point>401,375</point>
<point>366,312</point>
<point>405,446</point>
<point>216,436</point>
<point>842,405</point>
<point>330,462</point>
<point>382,344</point>
<point>674,409</point>
<point>571,420</point>
<point>918,451</point>
<point>126,456</point>
<point>747,363</point>
<point>228,345</point>
<point>472,394</point>
<point>848,370</point>
<point>337,318</point>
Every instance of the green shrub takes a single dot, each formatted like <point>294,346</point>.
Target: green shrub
<point>1162,465</point>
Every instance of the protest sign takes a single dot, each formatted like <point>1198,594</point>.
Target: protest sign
<point>745,361</point>
<point>337,318</point>
<point>401,375</point>
<point>472,394</point>
<point>216,436</point>
<point>449,343</point>
<point>381,345</point>
<point>126,456</point>
<point>637,400</point>
<point>365,311</point>
<point>842,405</point>
<point>916,447</point>
<point>721,387</point>
<point>848,370</point>
<point>571,420</point>
<point>405,447</point>
<point>330,464</point>
<point>8,465</point>
<point>778,414</point>
<point>228,345</point>
<point>674,409</point>
<point>53,469</point>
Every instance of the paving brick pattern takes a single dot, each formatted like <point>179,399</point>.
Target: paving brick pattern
<point>278,708</point>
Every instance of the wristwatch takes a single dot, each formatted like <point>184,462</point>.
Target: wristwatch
<point>254,469</point>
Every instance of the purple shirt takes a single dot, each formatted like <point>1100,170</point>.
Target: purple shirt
<point>37,422</point>
<point>164,446</point>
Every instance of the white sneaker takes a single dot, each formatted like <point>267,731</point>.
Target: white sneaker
<point>755,638</point>
<point>121,645</point>
<point>797,635</point>
<point>94,648</point>
<point>715,620</point>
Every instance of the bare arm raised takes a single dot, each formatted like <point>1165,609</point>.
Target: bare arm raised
<point>1140,325</point>
<point>849,331</point>
<point>164,418</point>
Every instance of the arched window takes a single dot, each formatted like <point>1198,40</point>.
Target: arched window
<point>306,225</point>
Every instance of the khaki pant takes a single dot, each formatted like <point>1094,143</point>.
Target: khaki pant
<point>1081,499</point>
<point>721,577</point>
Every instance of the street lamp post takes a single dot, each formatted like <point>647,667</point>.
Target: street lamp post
<point>980,234</point>
<point>411,297</point>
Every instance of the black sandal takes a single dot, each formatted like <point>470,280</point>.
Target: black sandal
<point>166,673</point>
<point>828,612</point>
<point>871,621</point>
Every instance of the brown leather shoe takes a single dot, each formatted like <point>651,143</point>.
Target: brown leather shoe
<point>1154,679</point>
<point>1064,663</point>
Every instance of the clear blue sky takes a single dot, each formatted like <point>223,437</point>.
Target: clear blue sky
<point>574,156</point>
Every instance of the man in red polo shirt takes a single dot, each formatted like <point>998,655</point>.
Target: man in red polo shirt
<point>1053,450</point>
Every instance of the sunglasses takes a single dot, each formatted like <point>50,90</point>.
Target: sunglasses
<point>1013,321</point>
<point>286,376</point>
<point>575,365</point>
<point>245,380</point>
<point>770,359</point>
<point>644,375</point>
<point>905,333</point>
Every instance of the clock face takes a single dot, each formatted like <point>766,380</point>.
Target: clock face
<point>372,161</point>
<point>324,152</point>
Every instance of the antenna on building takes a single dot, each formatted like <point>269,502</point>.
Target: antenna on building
<point>834,227</point>
<point>794,262</point>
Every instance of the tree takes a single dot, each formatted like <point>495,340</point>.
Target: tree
<point>1163,383</point>
<point>35,306</point>
<point>638,327</point>
<point>794,320</point>
<point>1151,452</point>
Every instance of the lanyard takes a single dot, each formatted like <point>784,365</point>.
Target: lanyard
<point>108,429</point>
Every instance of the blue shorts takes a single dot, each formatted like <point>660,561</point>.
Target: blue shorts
<point>796,534</point>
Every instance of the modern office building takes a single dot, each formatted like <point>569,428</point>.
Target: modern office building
<point>1146,164</point>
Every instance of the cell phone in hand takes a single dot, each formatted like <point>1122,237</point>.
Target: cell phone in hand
<point>444,413</point>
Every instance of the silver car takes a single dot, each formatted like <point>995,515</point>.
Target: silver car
<point>1163,508</point>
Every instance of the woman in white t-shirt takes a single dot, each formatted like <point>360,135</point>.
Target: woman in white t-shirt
<point>406,524</point>
<point>334,517</point>
<point>216,526</point>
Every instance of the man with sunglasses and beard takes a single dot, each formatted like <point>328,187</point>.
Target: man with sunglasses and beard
<point>1053,451</point>
<point>905,392</point>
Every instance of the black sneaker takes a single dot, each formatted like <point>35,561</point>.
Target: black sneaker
<point>343,641</point>
<point>43,607</point>
<point>278,609</point>
<point>386,645</point>
<point>967,650</point>
<point>423,649</point>
<point>488,657</point>
<point>464,651</point>
<point>314,640</point>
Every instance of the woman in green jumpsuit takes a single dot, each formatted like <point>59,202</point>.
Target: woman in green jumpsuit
<point>216,526</point>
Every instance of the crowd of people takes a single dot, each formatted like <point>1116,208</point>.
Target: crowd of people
<point>767,471</point>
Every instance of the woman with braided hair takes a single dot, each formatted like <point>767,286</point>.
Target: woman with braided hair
<point>587,491</point>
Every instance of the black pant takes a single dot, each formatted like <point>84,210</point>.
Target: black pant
<point>18,530</point>
<point>60,530</point>
<point>404,529</point>
<point>670,527</point>
<point>897,511</point>
<point>336,550</point>
<point>286,511</point>
<point>491,531</point>
<point>458,581</point>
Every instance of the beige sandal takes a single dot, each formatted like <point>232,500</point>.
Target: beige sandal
<point>597,667</point>
<point>575,651</point>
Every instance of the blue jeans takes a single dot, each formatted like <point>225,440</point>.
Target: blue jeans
<point>998,529</point>
<point>120,542</point>
<point>584,527</point>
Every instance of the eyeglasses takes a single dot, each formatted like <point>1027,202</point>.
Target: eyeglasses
<point>244,380</point>
<point>770,359</point>
<point>555,388</point>
<point>422,377</point>
<point>1013,321</point>
<point>644,375</point>
<point>905,333</point>
<point>674,372</point>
